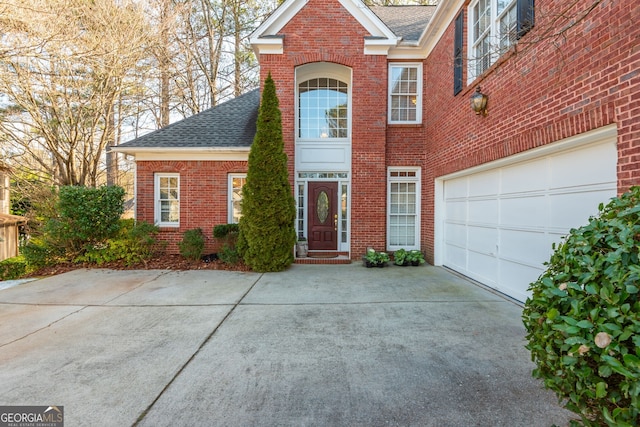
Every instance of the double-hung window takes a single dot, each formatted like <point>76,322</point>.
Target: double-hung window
<point>494,26</point>
<point>405,93</point>
<point>167,199</point>
<point>236,182</point>
<point>403,224</point>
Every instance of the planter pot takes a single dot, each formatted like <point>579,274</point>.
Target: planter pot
<point>302,249</point>
<point>369,264</point>
<point>415,263</point>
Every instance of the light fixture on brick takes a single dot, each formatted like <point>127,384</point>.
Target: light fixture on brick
<point>479,102</point>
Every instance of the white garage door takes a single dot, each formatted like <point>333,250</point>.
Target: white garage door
<point>500,222</point>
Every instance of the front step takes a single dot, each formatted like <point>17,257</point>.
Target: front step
<point>315,257</point>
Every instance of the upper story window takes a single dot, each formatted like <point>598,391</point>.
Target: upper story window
<point>323,103</point>
<point>494,26</point>
<point>323,109</point>
<point>405,89</point>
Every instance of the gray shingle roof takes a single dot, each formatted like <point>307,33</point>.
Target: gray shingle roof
<point>407,22</point>
<point>231,124</point>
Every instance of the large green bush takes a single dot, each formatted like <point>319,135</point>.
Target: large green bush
<point>267,227</point>
<point>84,218</point>
<point>88,215</point>
<point>134,243</point>
<point>583,318</point>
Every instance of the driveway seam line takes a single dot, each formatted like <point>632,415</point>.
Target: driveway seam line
<point>193,356</point>
<point>259,304</point>
<point>44,327</point>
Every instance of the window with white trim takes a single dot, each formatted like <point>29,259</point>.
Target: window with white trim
<point>167,199</point>
<point>403,225</point>
<point>494,26</point>
<point>405,93</point>
<point>323,109</point>
<point>236,182</point>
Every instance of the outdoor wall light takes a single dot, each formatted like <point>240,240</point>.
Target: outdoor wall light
<point>479,102</point>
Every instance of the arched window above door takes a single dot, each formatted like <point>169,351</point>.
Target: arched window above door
<point>323,102</point>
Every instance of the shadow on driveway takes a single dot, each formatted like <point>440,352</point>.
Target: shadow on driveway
<point>337,345</point>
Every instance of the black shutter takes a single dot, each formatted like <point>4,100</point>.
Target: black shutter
<point>526,16</point>
<point>457,54</point>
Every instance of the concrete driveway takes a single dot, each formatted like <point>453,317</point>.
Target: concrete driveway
<point>316,345</point>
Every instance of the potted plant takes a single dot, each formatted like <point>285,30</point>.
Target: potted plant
<point>374,258</point>
<point>400,257</point>
<point>302,247</point>
<point>415,257</point>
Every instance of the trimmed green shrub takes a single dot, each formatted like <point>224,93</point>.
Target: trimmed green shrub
<point>583,318</point>
<point>267,227</point>
<point>13,268</point>
<point>227,234</point>
<point>192,244</point>
<point>224,230</point>
<point>87,216</point>
<point>134,243</point>
<point>229,254</point>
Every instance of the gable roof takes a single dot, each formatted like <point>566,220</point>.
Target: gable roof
<point>230,125</point>
<point>265,38</point>
<point>406,22</point>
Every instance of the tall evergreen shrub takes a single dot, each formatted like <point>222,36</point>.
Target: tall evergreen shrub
<point>267,226</point>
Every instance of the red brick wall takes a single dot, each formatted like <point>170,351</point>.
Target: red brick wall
<point>325,31</point>
<point>203,196</point>
<point>545,89</point>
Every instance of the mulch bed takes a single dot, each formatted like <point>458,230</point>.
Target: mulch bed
<point>161,262</point>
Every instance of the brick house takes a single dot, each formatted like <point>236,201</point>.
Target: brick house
<point>384,149</point>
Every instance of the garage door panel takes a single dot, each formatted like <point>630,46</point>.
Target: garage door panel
<point>483,240</point>
<point>456,257</point>
<point>457,188</point>
<point>457,210</point>
<point>524,211</point>
<point>484,268</point>
<point>569,210</point>
<point>535,251</point>
<point>456,234</point>
<point>515,278</point>
<point>483,211</point>
<point>584,166</point>
<point>485,184</point>
<point>531,176</point>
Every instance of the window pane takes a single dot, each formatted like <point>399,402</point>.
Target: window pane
<point>236,198</point>
<point>322,104</point>
<point>168,203</point>
<point>404,90</point>
<point>508,29</point>
<point>402,211</point>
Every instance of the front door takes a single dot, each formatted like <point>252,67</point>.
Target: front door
<point>323,216</point>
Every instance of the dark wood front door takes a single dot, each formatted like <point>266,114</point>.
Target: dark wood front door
<point>323,216</point>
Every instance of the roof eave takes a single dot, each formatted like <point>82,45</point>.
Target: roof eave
<point>379,45</point>
<point>268,45</point>
<point>185,153</point>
